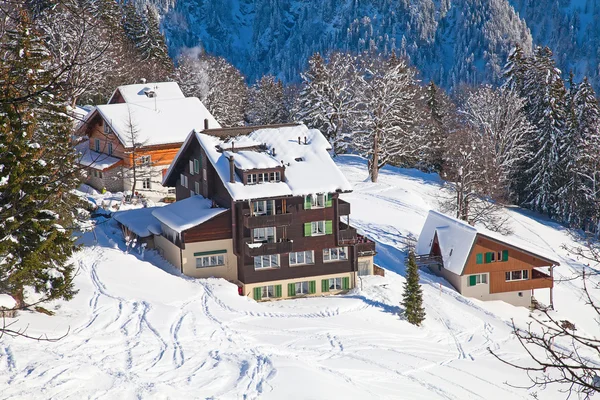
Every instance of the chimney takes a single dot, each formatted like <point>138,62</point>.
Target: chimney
<point>206,123</point>
<point>231,170</point>
<point>305,140</point>
<point>232,147</point>
<point>143,80</point>
<point>299,140</point>
<point>273,152</point>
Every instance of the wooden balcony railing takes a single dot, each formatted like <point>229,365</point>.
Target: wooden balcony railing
<point>264,221</point>
<point>364,246</point>
<point>343,207</point>
<point>262,249</point>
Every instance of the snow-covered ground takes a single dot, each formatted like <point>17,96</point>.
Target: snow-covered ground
<point>140,330</point>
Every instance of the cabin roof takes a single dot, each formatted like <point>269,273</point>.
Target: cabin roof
<point>309,168</point>
<point>138,93</point>
<point>456,239</point>
<point>188,213</point>
<point>92,159</point>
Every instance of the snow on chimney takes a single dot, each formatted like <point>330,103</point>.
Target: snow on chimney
<point>231,170</point>
<point>143,80</point>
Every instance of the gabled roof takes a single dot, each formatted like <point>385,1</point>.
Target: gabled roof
<point>156,122</point>
<point>456,239</point>
<point>185,214</point>
<point>309,168</point>
<point>137,93</point>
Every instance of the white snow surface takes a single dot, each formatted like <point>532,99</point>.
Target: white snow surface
<point>456,238</point>
<point>159,121</point>
<point>136,93</point>
<point>187,213</point>
<point>247,160</point>
<point>93,159</point>
<point>7,301</point>
<point>140,221</point>
<point>317,173</point>
<point>140,330</point>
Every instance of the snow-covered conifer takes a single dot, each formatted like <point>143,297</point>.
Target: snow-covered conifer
<point>412,298</point>
<point>266,102</point>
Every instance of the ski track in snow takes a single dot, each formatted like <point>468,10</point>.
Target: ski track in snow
<point>166,336</point>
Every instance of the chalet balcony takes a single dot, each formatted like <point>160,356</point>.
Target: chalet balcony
<point>343,207</point>
<point>430,261</point>
<point>262,249</point>
<point>365,247</point>
<point>347,235</point>
<point>264,221</point>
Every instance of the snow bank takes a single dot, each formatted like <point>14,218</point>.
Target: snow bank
<point>92,159</point>
<point>7,301</point>
<point>187,213</point>
<point>140,221</point>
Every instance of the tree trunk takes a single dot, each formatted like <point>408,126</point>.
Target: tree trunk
<point>19,297</point>
<point>375,162</point>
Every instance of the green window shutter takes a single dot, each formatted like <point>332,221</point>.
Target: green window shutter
<point>307,229</point>
<point>479,258</point>
<point>346,283</point>
<point>472,280</point>
<point>329,201</point>
<point>504,255</point>
<point>312,287</point>
<point>488,258</point>
<point>291,290</point>
<point>277,290</point>
<point>257,293</point>
<point>307,202</point>
<point>328,227</point>
<point>324,285</point>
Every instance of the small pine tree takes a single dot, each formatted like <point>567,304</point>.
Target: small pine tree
<point>413,294</point>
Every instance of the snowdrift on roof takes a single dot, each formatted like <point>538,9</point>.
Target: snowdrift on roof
<point>140,221</point>
<point>187,213</point>
<point>136,93</point>
<point>92,159</point>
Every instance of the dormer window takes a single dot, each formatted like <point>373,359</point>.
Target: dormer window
<point>150,93</point>
<point>262,177</point>
<point>107,129</point>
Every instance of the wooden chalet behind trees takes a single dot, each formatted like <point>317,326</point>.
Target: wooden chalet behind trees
<point>483,264</point>
<point>278,232</point>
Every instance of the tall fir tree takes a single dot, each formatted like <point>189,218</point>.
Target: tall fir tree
<point>37,171</point>
<point>266,102</point>
<point>412,298</point>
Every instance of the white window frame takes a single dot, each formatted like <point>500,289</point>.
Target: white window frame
<point>145,160</point>
<point>251,179</point>
<point>267,292</point>
<point>318,200</point>
<point>266,262</point>
<point>204,174</point>
<point>214,260</point>
<point>524,275</point>
<point>107,130</point>
<point>335,284</point>
<point>335,254</point>
<point>100,174</point>
<point>263,235</point>
<point>171,191</point>
<point>256,207</point>
<point>197,187</point>
<point>299,286</point>
<point>301,257</point>
<point>191,167</point>
<point>97,145</point>
<point>481,279</point>
<point>146,183</point>
<point>183,180</point>
<point>317,228</point>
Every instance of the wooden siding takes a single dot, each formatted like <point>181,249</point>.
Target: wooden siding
<point>517,260</point>
<point>216,228</point>
<point>116,98</point>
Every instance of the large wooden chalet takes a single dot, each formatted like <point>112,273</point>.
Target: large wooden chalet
<point>142,126</point>
<point>483,264</point>
<point>260,206</point>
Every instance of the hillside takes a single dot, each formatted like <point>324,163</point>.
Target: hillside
<point>138,329</point>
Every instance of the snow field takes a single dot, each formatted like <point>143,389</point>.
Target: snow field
<point>140,330</point>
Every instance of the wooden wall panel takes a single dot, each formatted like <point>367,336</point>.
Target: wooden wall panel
<point>216,228</point>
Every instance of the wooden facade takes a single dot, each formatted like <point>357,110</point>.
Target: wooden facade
<point>216,228</point>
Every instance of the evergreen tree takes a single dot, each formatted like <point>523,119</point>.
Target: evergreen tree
<point>412,298</point>
<point>37,171</point>
<point>266,102</point>
<point>153,46</point>
<point>439,112</point>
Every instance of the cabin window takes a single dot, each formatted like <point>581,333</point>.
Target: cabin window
<point>197,187</point>
<point>183,180</point>
<point>196,166</point>
<point>262,177</point>
<point>210,261</point>
<point>521,275</point>
<point>204,174</point>
<point>263,207</point>
<point>107,129</point>
<point>303,288</point>
<point>493,256</point>
<point>266,261</point>
<point>191,167</point>
<point>302,257</point>
<point>251,179</point>
<point>171,191</point>
<point>267,292</point>
<point>317,201</point>
<point>335,283</point>
<point>479,279</point>
<point>110,149</point>
<point>264,235</point>
<point>100,174</point>
<point>97,145</point>
<point>145,160</point>
<point>317,228</point>
<point>335,254</point>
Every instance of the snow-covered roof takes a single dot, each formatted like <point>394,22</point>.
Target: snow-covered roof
<point>187,213</point>
<point>92,159</point>
<point>7,301</point>
<point>140,221</point>
<point>456,239</point>
<point>156,122</point>
<point>137,93</point>
<point>309,167</point>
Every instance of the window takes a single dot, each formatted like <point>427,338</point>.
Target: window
<point>263,177</point>
<point>110,149</point>
<point>97,144</point>
<point>196,166</point>
<point>183,180</point>
<point>335,254</point>
<point>522,275</point>
<point>492,256</point>
<point>203,174</point>
<point>302,287</point>
<point>302,257</point>
<point>146,183</point>
<point>263,207</point>
<point>317,228</point>
<point>335,284</point>
<point>145,160</point>
<point>197,187</point>
<point>210,261</point>
<point>99,174</point>
<point>317,201</point>
<point>479,279</point>
<point>191,167</point>
<point>268,261</point>
<point>251,179</point>
<point>94,173</point>
<point>260,178</point>
<point>267,292</point>
<point>264,235</point>
<point>107,129</point>
<point>171,191</point>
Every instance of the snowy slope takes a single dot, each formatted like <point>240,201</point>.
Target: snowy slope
<point>140,330</point>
